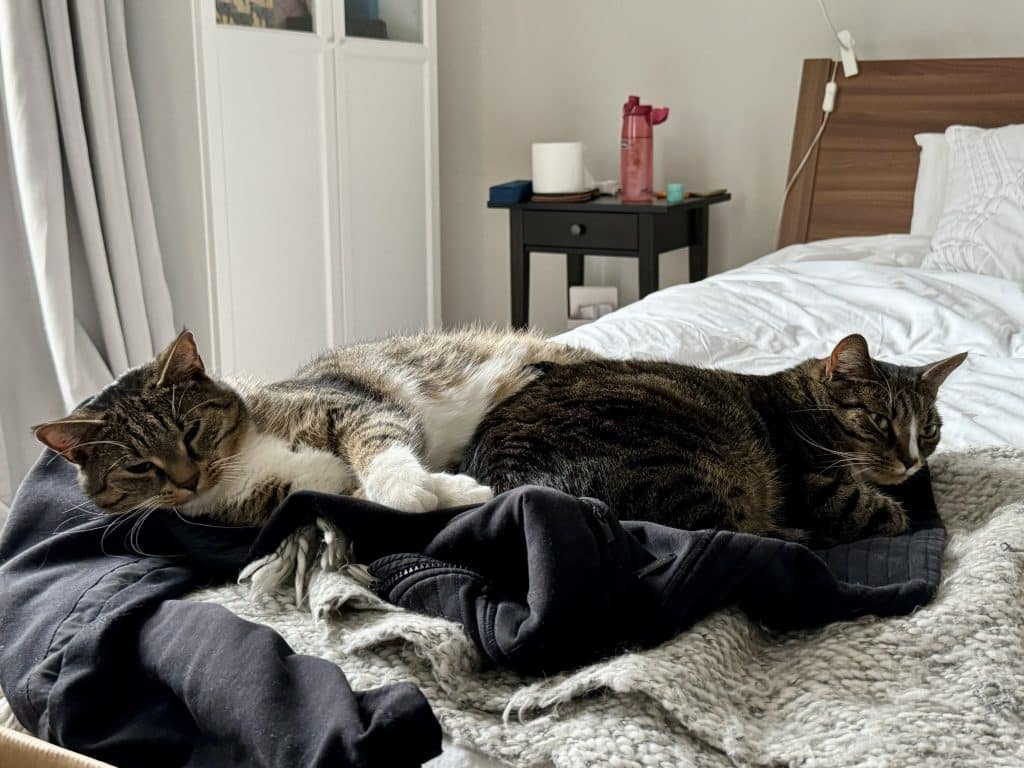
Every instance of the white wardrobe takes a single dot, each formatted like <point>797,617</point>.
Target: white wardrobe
<point>320,168</point>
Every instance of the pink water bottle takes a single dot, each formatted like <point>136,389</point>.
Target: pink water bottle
<point>637,160</point>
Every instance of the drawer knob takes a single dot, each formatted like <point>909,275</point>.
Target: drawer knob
<point>576,229</point>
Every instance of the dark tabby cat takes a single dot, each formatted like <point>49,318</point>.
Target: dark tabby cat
<point>798,454</point>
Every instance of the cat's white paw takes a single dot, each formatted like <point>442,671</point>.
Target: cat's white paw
<point>407,493</point>
<point>456,490</point>
<point>396,479</point>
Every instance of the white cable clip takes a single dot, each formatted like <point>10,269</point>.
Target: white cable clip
<point>846,53</point>
<point>846,43</point>
<point>829,102</point>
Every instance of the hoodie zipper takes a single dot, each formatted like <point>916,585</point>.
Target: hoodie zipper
<point>384,587</point>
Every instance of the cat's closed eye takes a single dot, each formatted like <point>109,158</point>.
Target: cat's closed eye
<point>141,468</point>
<point>192,433</point>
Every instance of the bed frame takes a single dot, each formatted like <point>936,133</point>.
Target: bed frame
<point>859,179</point>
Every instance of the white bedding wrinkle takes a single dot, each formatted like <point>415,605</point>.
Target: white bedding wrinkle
<point>890,250</point>
<point>767,316</point>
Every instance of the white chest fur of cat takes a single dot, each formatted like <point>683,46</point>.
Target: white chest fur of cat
<point>395,478</point>
<point>263,460</point>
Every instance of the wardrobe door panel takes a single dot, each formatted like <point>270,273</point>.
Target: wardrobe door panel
<point>270,98</point>
<point>388,181</point>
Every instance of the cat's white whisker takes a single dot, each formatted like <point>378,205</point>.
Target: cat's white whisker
<point>198,523</point>
<point>112,526</point>
<point>117,461</point>
<point>198,405</point>
<point>74,518</point>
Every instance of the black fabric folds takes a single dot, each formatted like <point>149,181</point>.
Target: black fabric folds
<point>543,581</point>
<point>97,652</point>
<point>98,655</point>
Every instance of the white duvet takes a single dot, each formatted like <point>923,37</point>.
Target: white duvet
<point>798,302</point>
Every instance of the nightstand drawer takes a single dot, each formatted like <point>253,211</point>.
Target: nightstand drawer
<point>581,230</point>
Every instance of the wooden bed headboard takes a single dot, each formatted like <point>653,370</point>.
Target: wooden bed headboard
<point>859,179</point>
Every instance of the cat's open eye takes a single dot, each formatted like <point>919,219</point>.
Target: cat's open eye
<point>193,431</point>
<point>882,422</point>
<point>141,468</point>
<point>930,430</point>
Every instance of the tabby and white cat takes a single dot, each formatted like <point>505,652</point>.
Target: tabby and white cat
<point>384,420</point>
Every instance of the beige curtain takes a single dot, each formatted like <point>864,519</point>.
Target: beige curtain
<point>79,208</point>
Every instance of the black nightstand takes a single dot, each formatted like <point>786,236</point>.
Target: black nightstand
<point>605,226</point>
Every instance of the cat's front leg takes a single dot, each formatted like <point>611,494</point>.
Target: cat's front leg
<point>845,511</point>
<point>396,478</point>
<point>880,514</point>
<point>382,448</point>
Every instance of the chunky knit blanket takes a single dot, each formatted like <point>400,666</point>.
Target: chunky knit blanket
<point>943,686</point>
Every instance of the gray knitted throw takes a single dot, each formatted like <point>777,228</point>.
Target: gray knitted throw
<point>944,686</point>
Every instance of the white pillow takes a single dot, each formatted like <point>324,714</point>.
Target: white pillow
<point>930,192</point>
<point>982,226</point>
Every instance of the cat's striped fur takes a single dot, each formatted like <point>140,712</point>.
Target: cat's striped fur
<point>385,420</point>
<point>798,454</point>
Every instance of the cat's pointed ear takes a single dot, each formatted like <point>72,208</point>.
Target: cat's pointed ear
<point>66,436</point>
<point>850,360</point>
<point>934,374</point>
<point>180,361</point>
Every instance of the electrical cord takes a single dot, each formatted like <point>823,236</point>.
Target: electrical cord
<point>810,148</point>
<point>828,18</point>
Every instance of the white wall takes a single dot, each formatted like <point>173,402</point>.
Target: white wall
<point>541,70</point>
<point>162,55</point>
<point>533,70</point>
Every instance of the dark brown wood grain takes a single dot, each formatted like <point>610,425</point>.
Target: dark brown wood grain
<point>796,212</point>
<point>860,178</point>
